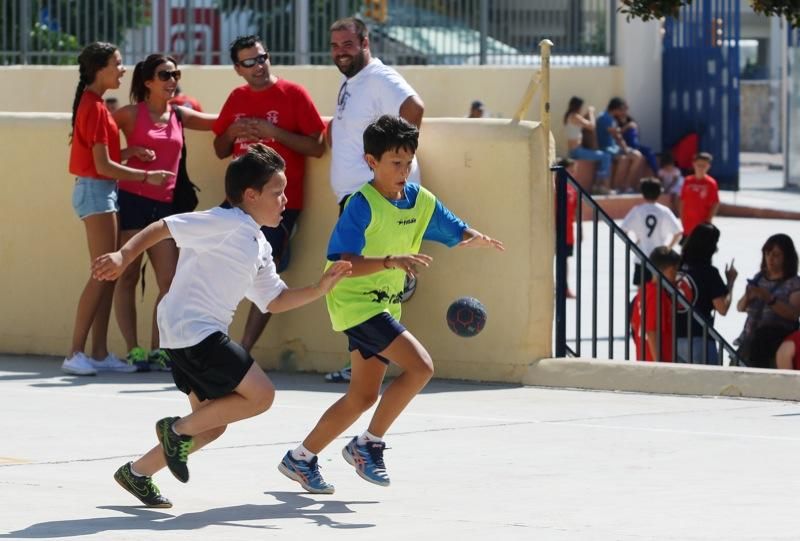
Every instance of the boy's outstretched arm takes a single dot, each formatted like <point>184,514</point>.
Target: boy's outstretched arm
<point>299,296</point>
<point>411,264</point>
<point>475,239</point>
<point>110,266</point>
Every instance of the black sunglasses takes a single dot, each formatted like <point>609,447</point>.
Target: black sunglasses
<point>250,62</point>
<point>167,75</point>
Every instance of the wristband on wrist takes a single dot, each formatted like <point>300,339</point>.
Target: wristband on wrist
<point>144,179</point>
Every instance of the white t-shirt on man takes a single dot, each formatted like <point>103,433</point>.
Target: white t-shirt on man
<point>652,224</point>
<point>374,91</point>
<point>224,258</point>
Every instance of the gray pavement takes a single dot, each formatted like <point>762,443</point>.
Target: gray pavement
<point>468,461</point>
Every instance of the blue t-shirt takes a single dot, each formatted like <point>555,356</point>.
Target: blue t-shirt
<point>348,234</point>
<point>604,139</point>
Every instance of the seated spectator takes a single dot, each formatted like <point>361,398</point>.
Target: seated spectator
<point>702,285</point>
<point>651,224</point>
<point>477,110</point>
<point>630,133</point>
<point>788,355</point>
<point>576,119</point>
<point>671,179</point>
<point>699,199</point>
<point>610,140</point>
<point>772,303</point>
<point>667,261</point>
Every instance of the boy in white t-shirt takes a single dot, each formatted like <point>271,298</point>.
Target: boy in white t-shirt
<point>223,258</point>
<point>652,224</point>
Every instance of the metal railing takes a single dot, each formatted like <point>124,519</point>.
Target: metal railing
<point>296,31</point>
<point>616,234</point>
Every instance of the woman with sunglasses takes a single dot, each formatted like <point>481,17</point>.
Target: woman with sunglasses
<point>95,160</point>
<point>150,125</point>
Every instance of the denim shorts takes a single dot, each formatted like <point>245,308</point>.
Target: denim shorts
<point>94,196</point>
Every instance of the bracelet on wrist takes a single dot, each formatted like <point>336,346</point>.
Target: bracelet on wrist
<point>144,178</point>
<point>386,262</point>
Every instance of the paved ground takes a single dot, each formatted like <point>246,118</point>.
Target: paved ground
<point>468,462</point>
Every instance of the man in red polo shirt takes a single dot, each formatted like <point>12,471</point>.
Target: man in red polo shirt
<point>281,115</point>
<point>699,196</point>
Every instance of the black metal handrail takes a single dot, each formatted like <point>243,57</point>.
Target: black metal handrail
<point>678,299</point>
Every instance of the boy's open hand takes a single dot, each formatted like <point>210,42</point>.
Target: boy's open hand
<point>335,272</point>
<point>108,266</point>
<point>409,263</point>
<point>479,240</point>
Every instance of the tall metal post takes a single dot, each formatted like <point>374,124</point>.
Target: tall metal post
<point>301,32</point>
<point>561,263</point>
<point>484,28</point>
<point>188,25</point>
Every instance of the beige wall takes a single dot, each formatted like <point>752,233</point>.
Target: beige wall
<point>447,91</point>
<point>489,172</point>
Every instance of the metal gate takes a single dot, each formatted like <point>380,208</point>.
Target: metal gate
<point>792,127</point>
<point>700,77</point>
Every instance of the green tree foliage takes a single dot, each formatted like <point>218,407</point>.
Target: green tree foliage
<point>655,9</point>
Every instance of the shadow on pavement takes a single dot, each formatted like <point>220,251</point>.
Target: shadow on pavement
<point>291,506</point>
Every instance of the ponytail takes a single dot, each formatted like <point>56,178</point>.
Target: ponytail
<point>92,59</point>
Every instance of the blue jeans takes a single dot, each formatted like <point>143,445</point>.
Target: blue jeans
<point>697,351</point>
<point>603,160</point>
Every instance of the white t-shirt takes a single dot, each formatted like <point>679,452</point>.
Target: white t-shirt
<point>224,257</point>
<point>652,224</point>
<point>374,91</point>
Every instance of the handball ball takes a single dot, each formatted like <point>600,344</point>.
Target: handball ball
<point>466,316</point>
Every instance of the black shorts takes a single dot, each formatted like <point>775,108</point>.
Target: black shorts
<point>278,237</point>
<point>374,335</point>
<point>211,369</point>
<point>137,212</point>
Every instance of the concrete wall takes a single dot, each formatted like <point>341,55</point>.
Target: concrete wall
<point>489,172</point>
<point>447,91</point>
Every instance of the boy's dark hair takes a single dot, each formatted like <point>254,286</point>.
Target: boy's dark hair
<point>666,158</point>
<point>701,245</point>
<point>651,188</point>
<point>351,23</point>
<point>704,156</point>
<point>664,258</point>
<point>390,133</point>
<point>244,42</point>
<point>615,103</point>
<point>251,170</point>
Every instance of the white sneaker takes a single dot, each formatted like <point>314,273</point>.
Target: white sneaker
<point>78,365</point>
<point>112,363</point>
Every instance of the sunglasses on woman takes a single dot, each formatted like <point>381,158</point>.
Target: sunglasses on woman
<point>167,75</point>
<point>250,62</point>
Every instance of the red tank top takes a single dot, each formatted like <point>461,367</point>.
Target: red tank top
<point>166,140</point>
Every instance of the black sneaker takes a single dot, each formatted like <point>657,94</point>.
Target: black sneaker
<point>176,448</point>
<point>142,488</point>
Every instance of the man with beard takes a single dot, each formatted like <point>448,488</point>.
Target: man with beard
<point>281,115</point>
<point>369,89</point>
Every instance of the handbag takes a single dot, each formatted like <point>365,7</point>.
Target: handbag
<point>185,196</point>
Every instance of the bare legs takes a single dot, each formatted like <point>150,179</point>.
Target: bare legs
<point>210,418</point>
<point>365,384</point>
<point>164,258</point>
<point>94,305</point>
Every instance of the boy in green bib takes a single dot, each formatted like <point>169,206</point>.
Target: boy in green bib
<point>379,233</point>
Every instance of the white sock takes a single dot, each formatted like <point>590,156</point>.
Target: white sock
<point>301,453</point>
<point>136,473</point>
<point>366,436</point>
